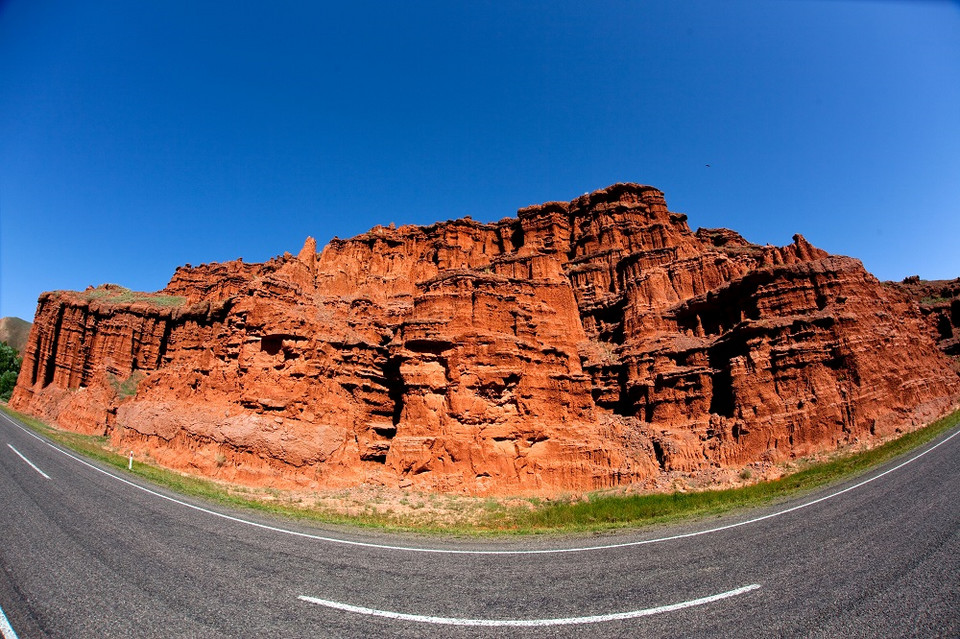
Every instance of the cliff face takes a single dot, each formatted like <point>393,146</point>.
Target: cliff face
<point>580,345</point>
<point>939,302</point>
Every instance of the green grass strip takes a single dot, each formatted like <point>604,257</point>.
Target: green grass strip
<point>616,510</point>
<point>97,448</point>
<point>597,512</point>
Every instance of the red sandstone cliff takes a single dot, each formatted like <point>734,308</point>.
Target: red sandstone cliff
<point>939,304</point>
<point>580,345</point>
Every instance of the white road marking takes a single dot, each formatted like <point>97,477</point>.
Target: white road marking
<point>32,465</point>
<point>563,621</point>
<point>455,551</point>
<point>5,628</point>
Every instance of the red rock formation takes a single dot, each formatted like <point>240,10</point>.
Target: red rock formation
<point>939,304</point>
<point>581,345</point>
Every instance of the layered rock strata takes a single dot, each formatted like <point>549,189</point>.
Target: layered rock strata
<point>939,303</point>
<point>579,345</point>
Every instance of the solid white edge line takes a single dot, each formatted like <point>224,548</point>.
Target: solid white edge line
<point>32,465</point>
<point>453,551</point>
<point>5,628</point>
<point>565,621</point>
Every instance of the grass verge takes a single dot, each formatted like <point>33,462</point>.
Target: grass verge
<point>98,448</point>
<point>593,512</point>
<point>612,511</point>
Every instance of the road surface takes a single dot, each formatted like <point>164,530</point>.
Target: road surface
<point>93,552</point>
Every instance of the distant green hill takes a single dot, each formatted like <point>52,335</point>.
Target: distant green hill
<point>15,331</point>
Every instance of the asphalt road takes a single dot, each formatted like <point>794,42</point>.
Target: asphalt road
<point>85,554</point>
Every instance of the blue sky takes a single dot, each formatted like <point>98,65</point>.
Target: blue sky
<point>138,136</point>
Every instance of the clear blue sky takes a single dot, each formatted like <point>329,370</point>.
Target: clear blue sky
<point>138,136</point>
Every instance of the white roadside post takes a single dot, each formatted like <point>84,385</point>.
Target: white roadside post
<point>130,463</point>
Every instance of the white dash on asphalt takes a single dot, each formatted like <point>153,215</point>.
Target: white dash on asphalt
<point>5,628</point>
<point>562,621</point>
<point>32,465</point>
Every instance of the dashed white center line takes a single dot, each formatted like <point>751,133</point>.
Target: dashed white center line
<point>32,465</point>
<point>563,621</point>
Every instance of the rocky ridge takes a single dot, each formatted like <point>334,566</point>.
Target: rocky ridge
<point>14,332</point>
<point>577,346</point>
